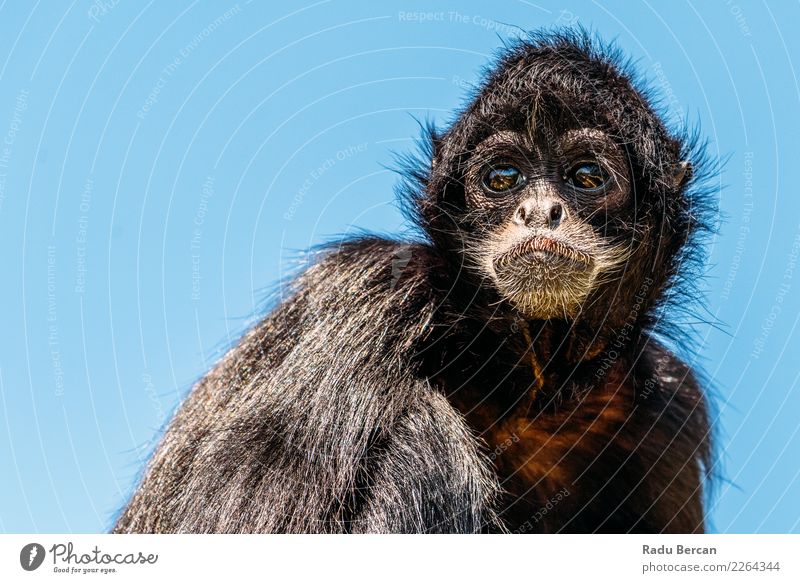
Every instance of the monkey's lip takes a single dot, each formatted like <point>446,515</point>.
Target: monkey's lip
<point>546,246</point>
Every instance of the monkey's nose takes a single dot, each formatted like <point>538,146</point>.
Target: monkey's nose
<point>545,213</point>
<point>554,215</point>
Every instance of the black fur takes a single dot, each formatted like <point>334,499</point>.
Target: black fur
<point>389,392</point>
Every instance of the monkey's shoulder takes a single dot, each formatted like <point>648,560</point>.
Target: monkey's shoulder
<point>367,293</point>
<point>370,264</point>
<point>660,375</point>
<point>370,279</point>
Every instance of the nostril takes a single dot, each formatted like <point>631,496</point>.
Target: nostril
<point>521,214</point>
<point>554,217</point>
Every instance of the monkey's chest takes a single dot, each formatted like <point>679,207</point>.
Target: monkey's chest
<point>553,461</point>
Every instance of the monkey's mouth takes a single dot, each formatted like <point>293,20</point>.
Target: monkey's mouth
<point>538,248</point>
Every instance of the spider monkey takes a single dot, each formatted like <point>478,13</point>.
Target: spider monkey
<point>504,373</point>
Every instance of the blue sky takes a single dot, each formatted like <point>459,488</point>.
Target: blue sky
<point>162,165</point>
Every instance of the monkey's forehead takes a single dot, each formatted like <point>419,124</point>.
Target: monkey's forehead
<point>542,99</point>
<point>545,104</point>
<point>542,117</point>
<point>599,140</point>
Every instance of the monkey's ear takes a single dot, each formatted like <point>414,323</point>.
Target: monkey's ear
<point>682,174</point>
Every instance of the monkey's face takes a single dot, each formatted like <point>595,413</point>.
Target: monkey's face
<point>561,188</point>
<point>544,216</point>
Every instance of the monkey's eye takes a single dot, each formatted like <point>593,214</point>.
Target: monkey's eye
<point>502,178</point>
<point>586,175</point>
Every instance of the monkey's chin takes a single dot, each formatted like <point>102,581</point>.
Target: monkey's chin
<point>550,305</point>
<point>544,285</point>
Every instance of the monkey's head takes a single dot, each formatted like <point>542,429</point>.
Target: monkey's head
<point>558,190</point>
